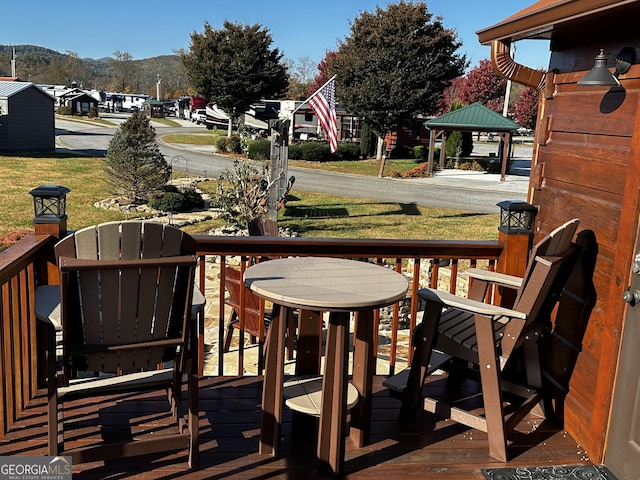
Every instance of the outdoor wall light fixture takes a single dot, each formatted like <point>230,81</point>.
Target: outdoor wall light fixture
<point>600,75</point>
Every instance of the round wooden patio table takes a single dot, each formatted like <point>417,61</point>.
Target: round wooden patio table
<point>338,286</point>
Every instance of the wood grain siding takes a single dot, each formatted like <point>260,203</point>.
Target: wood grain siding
<point>584,158</point>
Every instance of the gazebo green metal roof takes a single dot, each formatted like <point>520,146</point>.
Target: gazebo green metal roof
<point>475,117</point>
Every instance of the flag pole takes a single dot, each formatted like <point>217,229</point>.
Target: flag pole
<point>312,95</point>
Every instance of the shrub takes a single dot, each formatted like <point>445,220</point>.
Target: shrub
<point>367,141</point>
<point>260,149</point>
<point>234,144</point>
<point>348,151</point>
<point>420,152</point>
<point>173,200</point>
<point>222,144</point>
<point>315,151</point>
<point>459,144</point>
<point>193,199</point>
<point>64,110</point>
<point>295,152</point>
<point>401,151</point>
<point>169,202</point>
<point>419,171</point>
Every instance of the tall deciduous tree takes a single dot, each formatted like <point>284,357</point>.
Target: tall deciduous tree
<point>123,70</point>
<point>525,108</point>
<point>395,65</point>
<point>235,66</point>
<point>483,85</point>
<point>301,74</point>
<point>134,166</point>
<point>325,71</point>
<point>69,68</point>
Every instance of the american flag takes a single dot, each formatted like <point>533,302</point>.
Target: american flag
<point>323,103</point>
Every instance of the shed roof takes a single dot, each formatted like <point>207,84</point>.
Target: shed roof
<point>11,88</point>
<point>8,89</point>
<point>79,95</point>
<point>546,18</point>
<point>475,117</point>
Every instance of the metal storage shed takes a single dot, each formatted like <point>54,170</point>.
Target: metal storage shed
<point>26,118</point>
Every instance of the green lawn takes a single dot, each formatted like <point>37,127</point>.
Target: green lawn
<point>312,215</point>
<point>327,216</point>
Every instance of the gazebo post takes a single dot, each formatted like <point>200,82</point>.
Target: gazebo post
<point>506,148</point>
<point>432,146</point>
<point>443,148</point>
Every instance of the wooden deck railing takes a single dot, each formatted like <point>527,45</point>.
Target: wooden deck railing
<point>410,257</point>
<point>28,263</point>
<point>21,267</point>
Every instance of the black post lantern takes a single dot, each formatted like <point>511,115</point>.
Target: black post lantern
<point>50,209</point>
<point>516,217</point>
<point>515,234</point>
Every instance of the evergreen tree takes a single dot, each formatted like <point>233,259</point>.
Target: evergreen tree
<point>134,166</point>
<point>367,141</point>
<point>459,144</point>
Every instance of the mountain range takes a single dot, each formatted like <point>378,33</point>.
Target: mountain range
<point>46,66</point>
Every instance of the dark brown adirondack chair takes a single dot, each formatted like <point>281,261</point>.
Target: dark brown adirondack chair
<point>262,227</point>
<point>256,321</point>
<point>126,292</point>
<point>499,343</point>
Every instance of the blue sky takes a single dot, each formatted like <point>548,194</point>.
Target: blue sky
<point>299,28</point>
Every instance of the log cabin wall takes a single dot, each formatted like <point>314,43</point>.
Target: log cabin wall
<point>585,165</point>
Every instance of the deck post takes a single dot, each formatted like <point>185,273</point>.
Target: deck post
<point>515,234</point>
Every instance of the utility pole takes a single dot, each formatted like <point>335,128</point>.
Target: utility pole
<point>13,63</point>
<point>158,87</point>
<point>507,93</point>
<point>505,107</point>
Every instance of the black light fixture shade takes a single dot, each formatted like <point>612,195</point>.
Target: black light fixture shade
<point>600,75</point>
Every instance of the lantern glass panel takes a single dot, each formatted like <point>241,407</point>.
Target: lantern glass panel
<point>516,217</point>
<point>49,201</point>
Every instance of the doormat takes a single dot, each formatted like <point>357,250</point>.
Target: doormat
<point>575,472</point>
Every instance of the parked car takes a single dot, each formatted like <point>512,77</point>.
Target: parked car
<point>525,132</point>
<point>199,115</point>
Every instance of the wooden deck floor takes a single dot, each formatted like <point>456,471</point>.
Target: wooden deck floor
<point>229,428</point>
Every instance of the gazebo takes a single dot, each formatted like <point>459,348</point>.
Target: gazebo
<point>472,118</point>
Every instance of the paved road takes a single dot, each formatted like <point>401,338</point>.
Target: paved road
<point>475,192</point>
